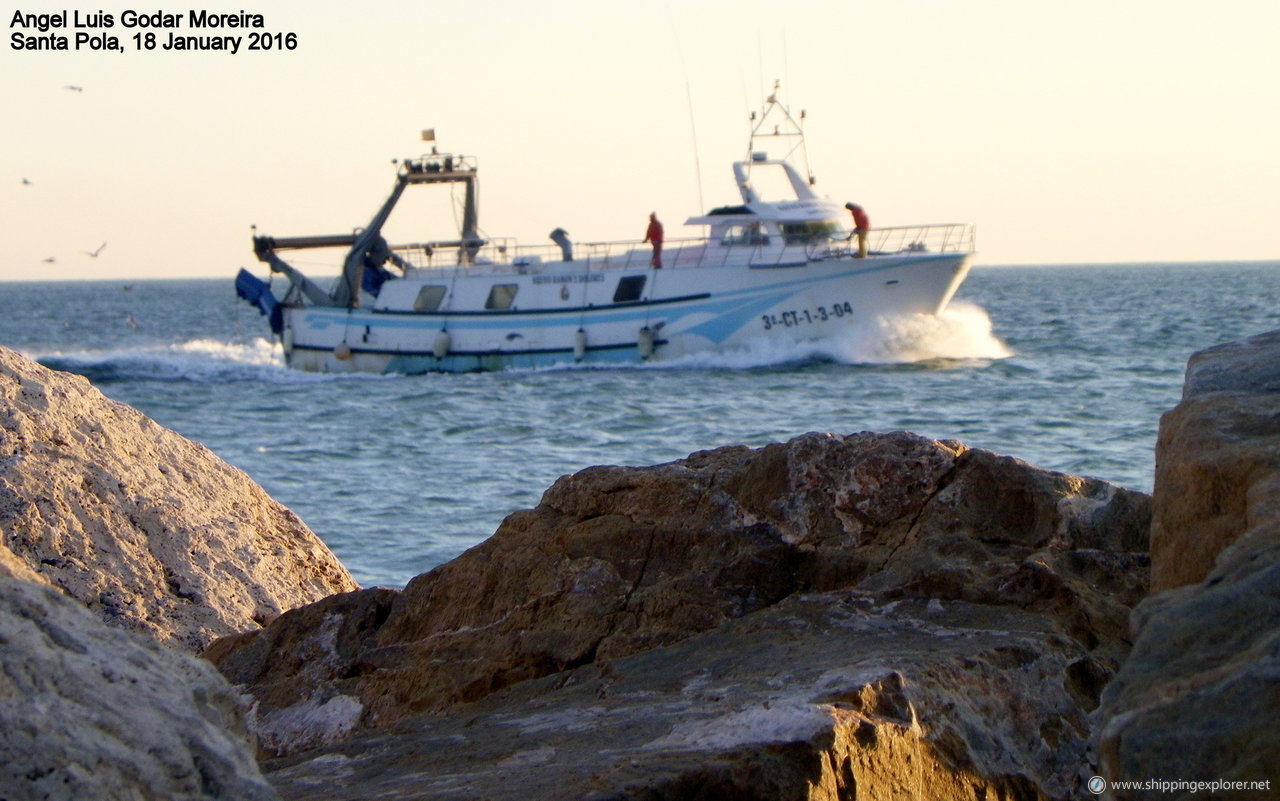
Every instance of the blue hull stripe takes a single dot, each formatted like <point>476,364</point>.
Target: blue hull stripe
<point>570,310</point>
<point>481,353</point>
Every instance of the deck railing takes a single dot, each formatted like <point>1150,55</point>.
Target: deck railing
<point>692,252</point>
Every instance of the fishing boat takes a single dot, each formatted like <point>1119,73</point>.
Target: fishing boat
<point>778,270</point>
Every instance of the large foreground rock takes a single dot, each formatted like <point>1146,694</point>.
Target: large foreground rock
<point>1198,697</point>
<point>987,597</point>
<point>822,696</point>
<point>88,712</point>
<point>1217,459</point>
<point>149,530</point>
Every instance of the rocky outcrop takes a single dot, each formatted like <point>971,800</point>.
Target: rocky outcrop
<point>880,616</point>
<point>827,605</point>
<point>821,696</point>
<point>1196,699</point>
<point>149,530</point>
<point>91,712</point>
<point>1217,459</point>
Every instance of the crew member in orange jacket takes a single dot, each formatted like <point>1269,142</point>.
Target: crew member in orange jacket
<point>861,224</point>
<point>654,235</point>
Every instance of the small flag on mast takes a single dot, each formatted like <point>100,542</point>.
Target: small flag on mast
<point>428,134</point>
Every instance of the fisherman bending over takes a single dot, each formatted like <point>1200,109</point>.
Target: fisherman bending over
<point>861,224</point>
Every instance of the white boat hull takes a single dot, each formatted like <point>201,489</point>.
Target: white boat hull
<point>564,313</point>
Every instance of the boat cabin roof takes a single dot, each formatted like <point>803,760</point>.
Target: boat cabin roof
<point>803,207</point>
<point>787,211</point>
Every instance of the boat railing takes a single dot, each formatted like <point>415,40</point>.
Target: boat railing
<point>506,255</point>
<point>936,238</point>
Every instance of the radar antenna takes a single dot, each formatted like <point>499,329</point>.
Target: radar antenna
<point>775,121</point>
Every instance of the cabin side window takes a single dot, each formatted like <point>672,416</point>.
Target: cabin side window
<point>501,296</point>
<point>629,289</point>
<point>804,233</point>
<point>746,234</point>
<point>429,298</point>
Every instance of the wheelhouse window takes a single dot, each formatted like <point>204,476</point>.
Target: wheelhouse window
<point>816,231</point>
<point>629,289</point>
<point>501,296</point>
<point>746,234</point>
<point>429,298</point>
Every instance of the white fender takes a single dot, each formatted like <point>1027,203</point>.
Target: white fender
<point>644,342</point>
<point>579,345</point>
<point>342,352</point>
<point>440,347</point>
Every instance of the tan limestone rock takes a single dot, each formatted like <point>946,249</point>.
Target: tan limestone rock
<point>91,712</point>
<point>14,568</point>
<point>616,561</point>
<point>833,695</point>
<point>151,531</point>
<point>1217,459</point>
<point>1196,699</point>
<point>1217,462</point>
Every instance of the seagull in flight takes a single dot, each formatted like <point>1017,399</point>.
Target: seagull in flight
<point>74,88</point>
<point>50,260</point>
<point>26,182</point>
<point>94,253</point>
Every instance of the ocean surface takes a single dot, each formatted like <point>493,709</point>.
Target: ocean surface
<point>1068,368</point>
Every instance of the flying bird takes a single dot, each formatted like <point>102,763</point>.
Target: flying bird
<point>50,260</point>
<point>25,182</point>
<point>74,88</point>
<point>94,253</point>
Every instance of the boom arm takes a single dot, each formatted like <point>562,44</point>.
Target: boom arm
<point>367,245</point>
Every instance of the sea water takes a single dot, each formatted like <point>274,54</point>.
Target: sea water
<point>1068,368</point>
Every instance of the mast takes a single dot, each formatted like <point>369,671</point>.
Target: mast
<point>776,122</point>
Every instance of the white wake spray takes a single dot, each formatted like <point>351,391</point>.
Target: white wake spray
<point>197,360</point>
<point>963,332</point>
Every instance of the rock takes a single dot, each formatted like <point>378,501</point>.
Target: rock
<point>1217,463</point>
<point>91,712</point>
<point>297,704</point>
<point>1217,459</point>
<point>1244,366</point>
<point>821,696</point>
<point>655,572</point>
<point>1197,697</point>
<point>14,568</point>
<point>149,530</point>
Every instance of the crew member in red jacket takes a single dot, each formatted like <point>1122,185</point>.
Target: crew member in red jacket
<point>861,224</point>
<point>654,235</point>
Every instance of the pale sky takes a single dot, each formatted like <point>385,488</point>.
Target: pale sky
<point>1081,132</point>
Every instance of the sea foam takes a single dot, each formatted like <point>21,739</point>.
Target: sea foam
<point>962,332</point>
<point>196,360</point>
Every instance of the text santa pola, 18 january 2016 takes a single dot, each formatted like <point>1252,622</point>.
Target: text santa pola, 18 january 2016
<point>152,31</point>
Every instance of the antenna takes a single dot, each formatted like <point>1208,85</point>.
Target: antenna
<point>786,128</point>
<point>760,59</point>
<point>786,61</point>
<point>688,97</point>
<point>693,130</point>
